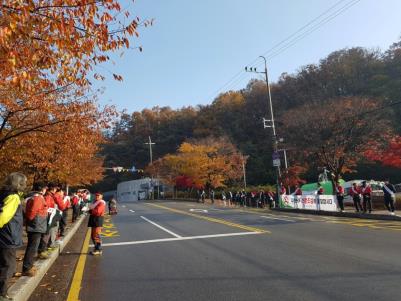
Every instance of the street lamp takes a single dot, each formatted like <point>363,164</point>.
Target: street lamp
<point>269,123</point>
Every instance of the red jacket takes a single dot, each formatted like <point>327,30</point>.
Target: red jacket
<point>367,190</point>
<point>283,190</point>
<point>98,208</point>
<point>36,206</point>
<point>339,190</point>
<point>49,198</point>
<point>60,202</point>
<point>354,190</point>
<point>74,200</point>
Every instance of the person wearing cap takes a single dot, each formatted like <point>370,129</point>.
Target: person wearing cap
<point>366,192</point>
<point>96,211</point>
<point>340,195</point>
<point>356,197</point>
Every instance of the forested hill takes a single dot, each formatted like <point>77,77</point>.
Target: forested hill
<point>364,78</point>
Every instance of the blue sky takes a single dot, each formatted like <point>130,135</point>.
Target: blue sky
<point>195,47</point>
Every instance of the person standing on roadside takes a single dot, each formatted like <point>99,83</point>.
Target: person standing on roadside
<point>356,197</point>
<point>389,196</point>
<point>223,198</point>
<point>212,196</point>
<point>36,226</point>
<point>366,192</point>
<point>270,198</point>
<point>283,191</point>
<point>48,240</point>
<point>75,207</point>
<point>340,195</point>
<point>262,199</point>
<point>63,207</point>
<point>230,198</point>
<point>11,227</point>
<point>96,217</point>
<point>112,206</point>
<point>297,195</point>
<point>203,196</point>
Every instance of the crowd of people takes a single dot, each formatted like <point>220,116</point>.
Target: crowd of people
<point>44,213</point>
<point>259,199</point>
<point>361,195</point>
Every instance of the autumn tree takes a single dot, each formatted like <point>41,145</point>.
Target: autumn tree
<point>335,134</point>
<point>388,154</point>
<point>67,154</point>
<point>49,52</point>
<point>209,162</point>
<point>292,176</point>
<point>346,73</point>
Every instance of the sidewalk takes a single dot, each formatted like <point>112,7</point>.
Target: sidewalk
<point>22,287</point>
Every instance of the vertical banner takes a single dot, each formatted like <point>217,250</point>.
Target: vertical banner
<point>309,202</point>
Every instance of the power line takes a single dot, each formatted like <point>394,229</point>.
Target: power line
<point>314,28</point>
<point>293,39</point>
<point>302,28</point>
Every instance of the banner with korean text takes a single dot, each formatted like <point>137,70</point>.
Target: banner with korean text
<point>309,202</point>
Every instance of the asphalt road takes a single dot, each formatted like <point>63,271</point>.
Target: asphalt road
<point>187,251</point>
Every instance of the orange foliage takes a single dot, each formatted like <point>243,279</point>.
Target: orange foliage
<point>292,175</point>
<point>208,162</point>
<point>49,127</point>
<point>390,155</point>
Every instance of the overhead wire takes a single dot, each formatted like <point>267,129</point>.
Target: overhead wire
<point>313,29</point>
<point>292,39</point>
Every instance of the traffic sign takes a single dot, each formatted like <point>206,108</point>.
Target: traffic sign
<point>276,162</point>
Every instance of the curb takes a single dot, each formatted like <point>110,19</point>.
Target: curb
<point>24,287</point>
<point>343,214</point>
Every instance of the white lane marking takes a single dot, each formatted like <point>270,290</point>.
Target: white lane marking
<point>132,211</point>
<point>139,242</point>
<point>160,227</point>
<point>282,219</point>
<point>198,210</point>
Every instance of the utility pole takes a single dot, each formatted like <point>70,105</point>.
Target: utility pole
<point>269,123</point>
<point>243,170</point>
<point>150,143</point>
<point>285,163</point>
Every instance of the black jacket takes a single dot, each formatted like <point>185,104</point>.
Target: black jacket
<point>11,233</point>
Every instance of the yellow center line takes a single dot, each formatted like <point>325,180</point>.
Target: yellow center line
<point>75,288</point>
<point>212,219</point>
